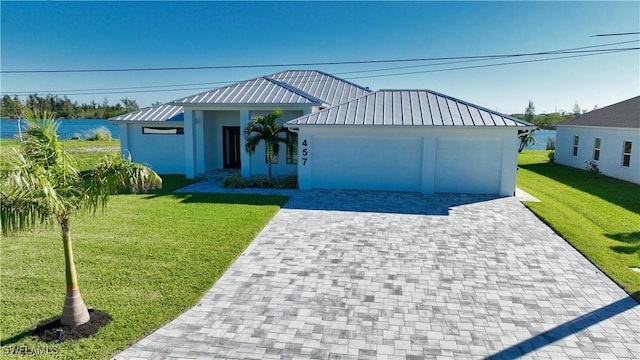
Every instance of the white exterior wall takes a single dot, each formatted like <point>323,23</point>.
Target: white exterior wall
<point>164,153</point>
<point>422,159</point>
<point>257,161</point>
<point>611,149</point>
<point>203,138</point>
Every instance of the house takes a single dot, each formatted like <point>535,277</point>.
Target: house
<point>610,136</point>
<point>348,136</point>
<point>408,140</point>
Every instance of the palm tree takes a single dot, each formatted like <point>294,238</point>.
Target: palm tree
<point>43,187</point>
<point>526,139</point>
<point>266,128</point>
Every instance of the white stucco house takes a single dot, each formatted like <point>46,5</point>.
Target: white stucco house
<point>610,136</point>
<point>348,136</point>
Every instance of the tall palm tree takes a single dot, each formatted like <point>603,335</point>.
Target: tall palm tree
<point>267,129</point>
<point>43,186</point>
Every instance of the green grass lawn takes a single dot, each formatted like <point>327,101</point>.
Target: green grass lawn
<point>599,216</point>
<point>146,260</point>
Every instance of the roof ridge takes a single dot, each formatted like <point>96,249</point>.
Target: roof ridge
<point>365,88</point>
<point>294,89</point>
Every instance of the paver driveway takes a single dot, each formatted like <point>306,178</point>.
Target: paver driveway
<point>390,275</point>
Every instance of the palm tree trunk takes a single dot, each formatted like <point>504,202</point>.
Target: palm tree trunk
<point>74,311</point>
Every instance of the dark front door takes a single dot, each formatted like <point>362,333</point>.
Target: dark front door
<point>231,146</point>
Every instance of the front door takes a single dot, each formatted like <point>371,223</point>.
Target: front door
<point>231,146</point>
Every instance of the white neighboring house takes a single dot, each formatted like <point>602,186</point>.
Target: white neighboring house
<point>610,136</point>
<point>347,136</point>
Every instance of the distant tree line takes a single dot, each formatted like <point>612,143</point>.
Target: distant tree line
<point>63,107</point>
<point>548,121</point>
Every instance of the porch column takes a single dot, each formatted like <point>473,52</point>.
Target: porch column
<point>245,159</point>
<point>189,145</point>
<point>198,125</point>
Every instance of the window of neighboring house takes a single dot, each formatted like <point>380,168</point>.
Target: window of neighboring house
<point>274,157</point>
<point>163,130</point>
<point>626,154</point>
<point>596,149</point>
<point>576,139</point>
<point>292,152</point>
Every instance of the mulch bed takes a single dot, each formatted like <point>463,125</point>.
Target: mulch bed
<point>46,330</point>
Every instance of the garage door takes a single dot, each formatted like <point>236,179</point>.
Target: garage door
<point>468,166</point>
<point>366,163</point>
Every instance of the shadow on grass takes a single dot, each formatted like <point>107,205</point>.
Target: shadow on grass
<point>219,198</point>
<point>15,339</point>
<point>607,188</point>
<point>567,329</point>
<point>632,240</point>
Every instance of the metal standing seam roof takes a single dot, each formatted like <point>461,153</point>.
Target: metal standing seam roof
<point>164,112</point>
<point>408,108</point>
<point>262,90</point>
<point>330,89</point>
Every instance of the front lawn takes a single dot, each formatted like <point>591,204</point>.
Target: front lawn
<point>145,261</point>
<point>599,216</point>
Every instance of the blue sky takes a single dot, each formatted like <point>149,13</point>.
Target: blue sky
<point>115,35</point>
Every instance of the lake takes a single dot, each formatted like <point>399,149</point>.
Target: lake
<point>68,128</point>
<point>541,139</point>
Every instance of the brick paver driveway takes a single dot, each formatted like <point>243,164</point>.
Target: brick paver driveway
<point>371,275</point>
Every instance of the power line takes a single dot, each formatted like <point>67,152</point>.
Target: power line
<point>283,65</point>
<point>617,34</point>
<point>581,54</point>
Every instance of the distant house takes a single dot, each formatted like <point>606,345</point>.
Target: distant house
<point>348,137</point>
<point>610,136</point>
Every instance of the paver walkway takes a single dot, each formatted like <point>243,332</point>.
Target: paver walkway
<point>374,275</point>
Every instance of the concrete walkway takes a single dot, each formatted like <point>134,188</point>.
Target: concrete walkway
<point>374,275</point>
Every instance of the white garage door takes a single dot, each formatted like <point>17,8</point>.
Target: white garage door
<point>366,163</point>
<point>468,166</point>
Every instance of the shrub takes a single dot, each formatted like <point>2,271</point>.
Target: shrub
<point>233,181</point>
<point>237,181</point>
<point>99,134</point>
<point>552,157</point>
<point>592,168</point>
<point>551,143</point>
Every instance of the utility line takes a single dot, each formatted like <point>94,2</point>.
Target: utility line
<point>282,65</point>
<point>617,34</point>
<point>580,54</point>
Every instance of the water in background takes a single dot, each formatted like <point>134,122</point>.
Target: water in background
<point>68,128</point>
<point>541,139</point>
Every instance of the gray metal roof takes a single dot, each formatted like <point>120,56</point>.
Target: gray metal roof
<point>408,108</point>
<point>330,89</point>
<point>625,114</point>
<point>164,112</point>
<point>262,90</point>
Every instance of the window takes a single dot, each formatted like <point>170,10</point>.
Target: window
<point>626,154</point>
<point>596,149</point>
<point>292,152</point>
<point>269,152</point>
<point>163,130</point>
<point>576,139</point>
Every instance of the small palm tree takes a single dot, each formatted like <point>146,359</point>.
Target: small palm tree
<point>526,139</point>
<point>266,128</point>
<point>43,187</point>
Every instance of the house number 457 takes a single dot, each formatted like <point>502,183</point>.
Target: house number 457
<point>305,152</point>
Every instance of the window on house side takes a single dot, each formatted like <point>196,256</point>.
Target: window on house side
<point>576,139</point>
<point>292,152</point>
<point>162,130</point>
<point>626,154</point>
<point>269,152</point>
<point>596,149</point>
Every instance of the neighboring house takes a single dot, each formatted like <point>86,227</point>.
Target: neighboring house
<point>610,136</point>
<point>348,137</point>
